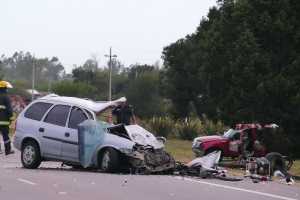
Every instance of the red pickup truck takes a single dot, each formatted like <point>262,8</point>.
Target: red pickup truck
<point>245,137</point>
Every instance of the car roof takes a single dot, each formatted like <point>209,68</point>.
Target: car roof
<point>95,106</point>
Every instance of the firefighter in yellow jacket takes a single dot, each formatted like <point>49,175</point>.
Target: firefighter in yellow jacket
<point>5,115</point>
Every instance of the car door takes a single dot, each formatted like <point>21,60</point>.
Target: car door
<point>71,148</point>
<point>29,123</point>
<point>234,144</point>
<point>53,130</point>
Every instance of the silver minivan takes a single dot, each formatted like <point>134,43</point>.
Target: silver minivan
<point>47,129</point>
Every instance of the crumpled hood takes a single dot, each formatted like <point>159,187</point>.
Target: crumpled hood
<point>143,137</point>
<point>209,138</point>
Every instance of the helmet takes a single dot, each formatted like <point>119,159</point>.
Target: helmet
<point>5,84</point>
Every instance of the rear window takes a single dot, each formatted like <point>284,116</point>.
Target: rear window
<point>37,110</point>
<point>58,115</point>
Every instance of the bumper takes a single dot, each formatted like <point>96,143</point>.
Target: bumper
<point>151,161</point>
<point>198,151</point>
<point>17,142</point>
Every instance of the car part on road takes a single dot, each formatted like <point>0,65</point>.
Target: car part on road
<point>279,166</point>
<point>206,167</point>
<point>30,155</point>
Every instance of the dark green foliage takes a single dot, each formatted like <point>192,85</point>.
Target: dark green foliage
<point>161,126</point>
<point>139,83</point>
<point>241,65</point>
<point>73,89</point>
<point>143,91</point>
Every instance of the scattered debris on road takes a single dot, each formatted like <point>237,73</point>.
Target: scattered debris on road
<point>206,167</point>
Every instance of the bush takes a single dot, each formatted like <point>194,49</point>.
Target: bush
<point>161,126</point>
<point>186,129</point>
<point>189,129</point>
<point>75,89</point>
<point>212,128</point>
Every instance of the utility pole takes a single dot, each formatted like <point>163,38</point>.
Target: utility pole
<point>33,79</point>
<point>110,71</point>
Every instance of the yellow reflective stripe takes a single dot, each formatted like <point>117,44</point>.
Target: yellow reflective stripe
<point>4,123</point>
<point>2,107</point>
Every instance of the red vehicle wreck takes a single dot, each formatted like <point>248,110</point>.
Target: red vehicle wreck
<point>234,142</point>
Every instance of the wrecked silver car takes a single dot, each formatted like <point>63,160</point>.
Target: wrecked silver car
<point>47,130</point>
<point>115,147</point>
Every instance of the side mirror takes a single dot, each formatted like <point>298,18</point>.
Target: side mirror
<point>161,139</point>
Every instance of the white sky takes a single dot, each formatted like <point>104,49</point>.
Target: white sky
<point>73,30</point>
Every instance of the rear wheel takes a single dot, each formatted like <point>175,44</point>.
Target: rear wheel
<point>31,156</point>
<point>109,160</point>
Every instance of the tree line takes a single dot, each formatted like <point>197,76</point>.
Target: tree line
<point>138,82</point>
<point>242,64</point>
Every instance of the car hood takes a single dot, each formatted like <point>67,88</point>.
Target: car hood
<point>143,137</point>
<point>209,138</point>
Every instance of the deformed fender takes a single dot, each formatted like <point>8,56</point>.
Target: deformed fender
<point>123,145</point>
<point>93,137</point>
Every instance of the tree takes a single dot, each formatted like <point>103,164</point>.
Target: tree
<point>143,93</point>
<point>242,64</point>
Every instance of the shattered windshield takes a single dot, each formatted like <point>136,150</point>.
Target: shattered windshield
<point>230,133</point>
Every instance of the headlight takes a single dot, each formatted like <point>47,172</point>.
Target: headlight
<point>196,143</point>
<point>126,151</point>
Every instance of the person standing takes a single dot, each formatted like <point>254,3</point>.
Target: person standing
<point>6,114</point>
<point>124,114</point>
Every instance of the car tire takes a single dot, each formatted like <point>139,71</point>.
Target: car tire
<point>30,155</point>
<point>109,160</point>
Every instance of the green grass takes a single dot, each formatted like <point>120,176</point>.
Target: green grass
<point>180,149</point>
<point>295,170</point>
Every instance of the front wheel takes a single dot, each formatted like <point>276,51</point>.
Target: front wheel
<point>109,160</point>
<point>30,155</point>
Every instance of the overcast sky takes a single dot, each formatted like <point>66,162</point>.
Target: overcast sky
<point>73,30</point>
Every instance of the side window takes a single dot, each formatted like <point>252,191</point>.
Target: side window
<point>36,111</point>
<point>58,115</point>
<point>236,136</point>
<point>90,115</point>
<point>77,116</point>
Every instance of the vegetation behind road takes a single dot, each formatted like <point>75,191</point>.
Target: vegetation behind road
<point>242,64</point>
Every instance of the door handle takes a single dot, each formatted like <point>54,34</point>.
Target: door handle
<point>67,134</point>
<point>41,129</point>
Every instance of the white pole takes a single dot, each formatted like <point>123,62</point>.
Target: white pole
<point>110,72</point>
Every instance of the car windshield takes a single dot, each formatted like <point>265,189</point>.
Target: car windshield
<point>229,133</point>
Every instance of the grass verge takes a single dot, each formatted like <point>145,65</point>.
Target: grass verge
<point>180,149</point>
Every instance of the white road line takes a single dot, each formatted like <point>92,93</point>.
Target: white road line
<point>236,189</point>
<point>26,181</point>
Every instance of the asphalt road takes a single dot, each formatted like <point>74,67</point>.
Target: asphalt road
<point>51,181</point>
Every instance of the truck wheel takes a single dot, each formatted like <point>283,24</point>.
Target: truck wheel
<point>109,160</point>
<point>30,155</point>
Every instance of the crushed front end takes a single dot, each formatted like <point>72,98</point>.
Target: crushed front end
<point>146,159</point>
